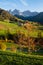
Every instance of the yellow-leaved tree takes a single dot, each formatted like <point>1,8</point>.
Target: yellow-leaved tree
<point>2,46</point>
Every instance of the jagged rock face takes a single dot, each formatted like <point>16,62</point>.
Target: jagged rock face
<point>24,13</point>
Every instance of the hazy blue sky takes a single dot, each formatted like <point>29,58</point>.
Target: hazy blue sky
<point>32,5</point>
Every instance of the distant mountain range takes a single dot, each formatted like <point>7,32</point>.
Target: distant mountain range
<point>5,15</point>
<point>28,15</point>
<point>24,13</point>
<point>37,18</point>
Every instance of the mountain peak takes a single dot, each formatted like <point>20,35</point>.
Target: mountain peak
<point>24,13</point>
<point>14,12</point>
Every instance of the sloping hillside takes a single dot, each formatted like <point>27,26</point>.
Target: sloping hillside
<point>38,18</point>
<point>5,15</point>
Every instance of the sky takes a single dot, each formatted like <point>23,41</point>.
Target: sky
<point>22,5</point>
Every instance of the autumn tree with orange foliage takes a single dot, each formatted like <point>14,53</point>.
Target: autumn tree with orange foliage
<point>31,44</point>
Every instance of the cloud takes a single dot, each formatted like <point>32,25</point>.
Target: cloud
<point>24,2</point>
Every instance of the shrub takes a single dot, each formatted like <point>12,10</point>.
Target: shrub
<point>2,46</point>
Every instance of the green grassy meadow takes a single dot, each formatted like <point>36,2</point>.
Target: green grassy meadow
<point>9,57</point>
<point>14,27</point>
<point>19,59</point>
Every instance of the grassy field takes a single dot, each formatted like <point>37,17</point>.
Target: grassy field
<point>14,27</point>
<point>8,58</point>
